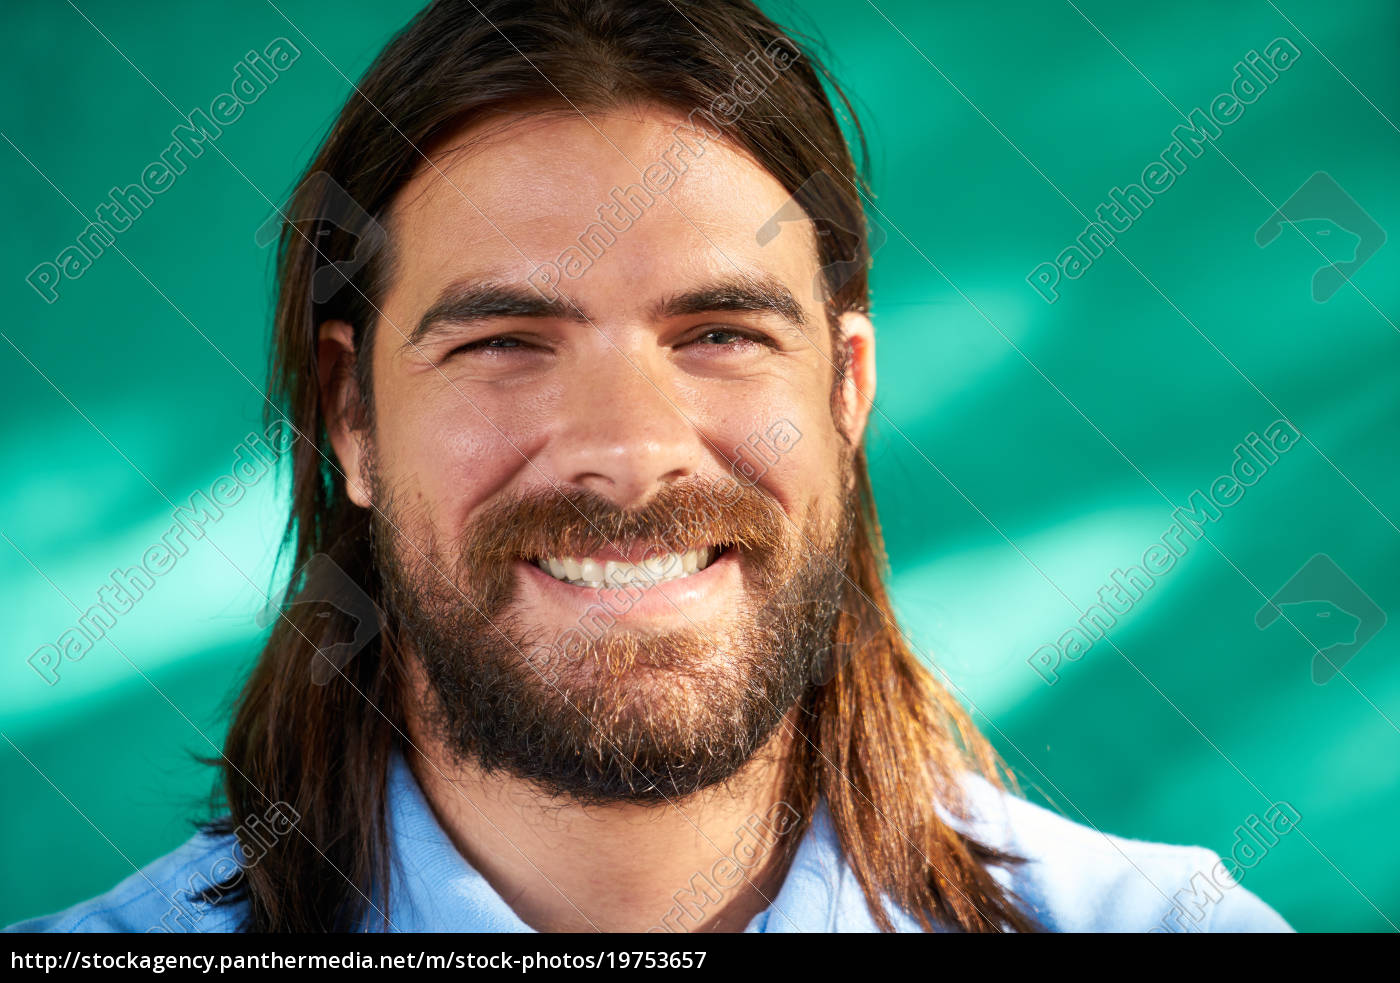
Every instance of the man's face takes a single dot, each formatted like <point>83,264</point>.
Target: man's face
<point>594,600</point>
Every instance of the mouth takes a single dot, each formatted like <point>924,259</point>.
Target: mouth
<point>648,571</point>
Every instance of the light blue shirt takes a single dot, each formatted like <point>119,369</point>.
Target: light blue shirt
<point>1076,879</point>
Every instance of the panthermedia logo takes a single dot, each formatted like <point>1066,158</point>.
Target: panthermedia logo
<point>1319,210</point>
<point>1326,606</point>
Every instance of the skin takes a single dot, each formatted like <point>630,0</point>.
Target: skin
<point>620,406</point>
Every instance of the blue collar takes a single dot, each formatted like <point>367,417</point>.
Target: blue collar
<point>437,890</point>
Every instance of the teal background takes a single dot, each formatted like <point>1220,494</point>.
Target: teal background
<point>1021,451</point>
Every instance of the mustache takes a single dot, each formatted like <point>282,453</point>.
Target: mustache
<point>687,514</point>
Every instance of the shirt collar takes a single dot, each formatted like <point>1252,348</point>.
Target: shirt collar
<point>435,889</point>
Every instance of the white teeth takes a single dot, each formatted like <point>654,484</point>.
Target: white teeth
<point>586,572</point>
<point>662,566</point>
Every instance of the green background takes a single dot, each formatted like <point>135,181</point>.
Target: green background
<point>1021,451</point>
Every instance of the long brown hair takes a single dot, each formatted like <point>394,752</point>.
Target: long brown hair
<point>880,742</point>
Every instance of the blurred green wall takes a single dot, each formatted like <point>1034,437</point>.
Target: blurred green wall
<point>1022,451</point>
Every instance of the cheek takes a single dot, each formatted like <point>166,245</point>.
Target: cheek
<point>789,450</point>
<point>446,453</point>
<point>804,469</point>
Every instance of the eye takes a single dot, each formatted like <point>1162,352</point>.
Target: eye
<point>492,344</point>
<point>721,337</point>
<point>728,338</point>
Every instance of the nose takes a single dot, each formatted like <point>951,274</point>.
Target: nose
<point>621,432</point>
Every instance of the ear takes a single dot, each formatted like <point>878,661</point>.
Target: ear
<point>340,399</point>
<point>858,387</point>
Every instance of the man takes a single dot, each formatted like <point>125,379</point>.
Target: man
<point>589,630</point>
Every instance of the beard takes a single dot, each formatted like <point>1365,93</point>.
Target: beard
<point>612,714</point>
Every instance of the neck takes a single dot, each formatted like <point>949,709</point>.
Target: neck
<point>708,863</point>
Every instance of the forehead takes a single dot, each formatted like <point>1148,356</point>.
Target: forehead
<point>505,197</point>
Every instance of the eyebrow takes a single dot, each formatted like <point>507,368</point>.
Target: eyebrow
<point>751,293</point>
<point>469,304</point>
<point>466,304</point>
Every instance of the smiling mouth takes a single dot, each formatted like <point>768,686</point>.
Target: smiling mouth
<point>658,569</point>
